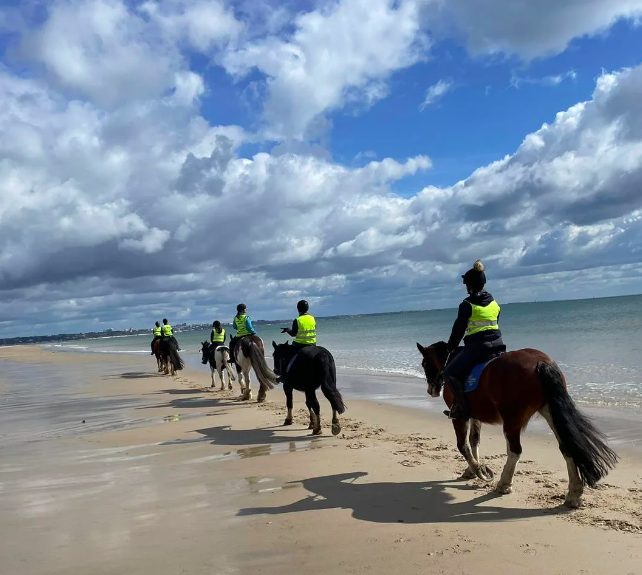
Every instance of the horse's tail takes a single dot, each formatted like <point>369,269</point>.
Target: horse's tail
<point>329,383</point>
<point>578,437</point>
<point>176,359</point>
<point>265,375</point>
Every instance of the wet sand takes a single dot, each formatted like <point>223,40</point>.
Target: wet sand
<point>167,476</point>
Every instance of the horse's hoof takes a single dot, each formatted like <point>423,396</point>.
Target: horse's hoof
<point>261,397</point>
<point>503,489</point>
<point>288,421</point>
<point>316,431</point>
<point>336,428</point>
<point>310,426</point>
<point>229,387</point>
<point>573,502</point>
<point>468,474</point>
<point>485,473</point>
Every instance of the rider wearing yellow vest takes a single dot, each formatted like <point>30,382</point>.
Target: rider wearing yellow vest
<point>157,334</point>
<point>167,332</point>
<point>242,323</point>
<point>478,324</point>
<point>217,337</point>
<point>304,327</point>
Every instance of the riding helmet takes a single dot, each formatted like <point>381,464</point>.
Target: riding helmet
<point>216,324</point>
<point>241,308</point>
<point>302,306</point>
<point>164,320</point>
<point>157,324</point>
<point>475,278</point>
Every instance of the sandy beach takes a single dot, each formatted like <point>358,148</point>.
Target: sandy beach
<point>165,476</point>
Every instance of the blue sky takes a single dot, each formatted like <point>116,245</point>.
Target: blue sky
<point>166,158</point>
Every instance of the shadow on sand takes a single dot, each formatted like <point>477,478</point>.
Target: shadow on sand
<point>411,502</point>
<point>223,435</point>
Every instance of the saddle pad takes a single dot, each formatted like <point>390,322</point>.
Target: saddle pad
<point>472,381</point>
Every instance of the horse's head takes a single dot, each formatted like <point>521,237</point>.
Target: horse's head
<point>205,350</point>
<point>281,355</point>
<point>433,361</point>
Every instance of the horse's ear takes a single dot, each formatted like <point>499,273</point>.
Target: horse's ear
<point>273,344</point>
<point>420,348</point>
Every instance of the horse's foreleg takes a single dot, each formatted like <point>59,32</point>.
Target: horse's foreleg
<point>289,403</point>
<point>461,427</point>
<point>212,369</point>
<point>474,438</point>
<point>512,432</point>
<point>575,484</point>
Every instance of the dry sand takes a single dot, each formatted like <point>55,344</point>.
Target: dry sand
<point>206,484</point>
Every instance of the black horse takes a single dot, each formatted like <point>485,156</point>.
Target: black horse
<point>306,369</point>
<point>169,353</point>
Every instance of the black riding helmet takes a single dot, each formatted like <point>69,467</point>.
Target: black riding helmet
<point>302,306</point>
<point>475,278</point>
<point>157,324</point>
<point>164,320</point>
<point>241,308</point>
<point>216,324</point>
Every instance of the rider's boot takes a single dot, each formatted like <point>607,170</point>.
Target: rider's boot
<point>460,408</point>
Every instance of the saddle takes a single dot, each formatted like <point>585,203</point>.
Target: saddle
<point>472,381</point>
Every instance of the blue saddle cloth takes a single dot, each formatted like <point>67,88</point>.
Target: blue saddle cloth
<point>472,381</point>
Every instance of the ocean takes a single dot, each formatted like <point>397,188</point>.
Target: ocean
<point>596,342</point>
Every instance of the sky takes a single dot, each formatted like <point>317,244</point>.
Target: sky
<point>172,158</point>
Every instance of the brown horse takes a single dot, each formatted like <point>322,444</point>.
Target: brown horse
<point>512,388</point>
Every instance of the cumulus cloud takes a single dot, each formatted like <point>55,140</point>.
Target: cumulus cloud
<point>530,29</point>
<point>338,53</point>
<point>120,198</point>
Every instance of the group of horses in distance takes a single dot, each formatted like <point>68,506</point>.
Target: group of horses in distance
<point>513,387</point>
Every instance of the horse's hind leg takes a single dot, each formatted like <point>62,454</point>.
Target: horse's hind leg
<point>575,485</point>
<point>336,426</point>
<point>315,411</point>
<point>512,432</point>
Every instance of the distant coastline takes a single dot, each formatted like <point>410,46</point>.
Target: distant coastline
<point>185,327</point>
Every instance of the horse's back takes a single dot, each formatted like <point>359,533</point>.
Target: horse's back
<point>510,383</point>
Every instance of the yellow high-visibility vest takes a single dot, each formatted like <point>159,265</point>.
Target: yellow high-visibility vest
<point>239,323</point>
<point>483,318</point>
<point>167,330</point>
<point>306,329</point>
<point>217,337</point>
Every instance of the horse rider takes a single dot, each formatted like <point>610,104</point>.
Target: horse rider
<point>304,327</point>
<point>217,337</point>
<point>167,331</point>
<point>304,332</point>
<point>477,322</point>
<point>242,323</point>
<point>157,331</point>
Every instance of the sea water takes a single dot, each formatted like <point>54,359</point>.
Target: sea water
<point>596,342</point>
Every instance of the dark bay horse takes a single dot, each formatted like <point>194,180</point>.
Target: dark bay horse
<point>512,388</point>
<point>312,368</point>
<point>159,356</point>
<point>169,353</point>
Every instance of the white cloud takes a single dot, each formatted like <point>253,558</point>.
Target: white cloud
<point>530,29</point>
<point>435,92</point>
<point>338,53</point>
<point>517,81</point>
